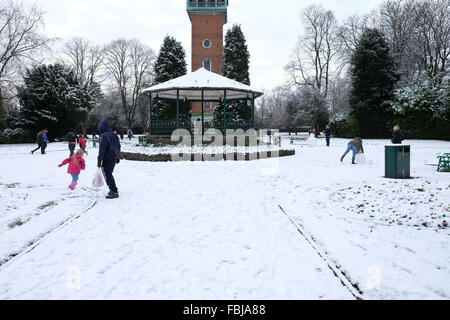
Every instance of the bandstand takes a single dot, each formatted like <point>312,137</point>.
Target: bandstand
<point>200,86</point>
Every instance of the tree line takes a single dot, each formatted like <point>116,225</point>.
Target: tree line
<point>70,87</point>
<point>85,82</point>
<point>390,66</point>
<point>363,75</point>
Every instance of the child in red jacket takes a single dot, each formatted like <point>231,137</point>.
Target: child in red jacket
<point>82,143</point>
<point>76,164</point>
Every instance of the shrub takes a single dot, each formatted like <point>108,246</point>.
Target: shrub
<point>423,110</point>
<point>12,136</point>
<point>343,125</point>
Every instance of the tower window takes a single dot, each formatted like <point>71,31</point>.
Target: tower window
<point>207,43</point>
<point>207,64</point>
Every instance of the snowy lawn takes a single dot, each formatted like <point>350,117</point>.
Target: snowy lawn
<point>217,230</point>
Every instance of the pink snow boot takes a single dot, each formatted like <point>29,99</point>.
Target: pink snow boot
<point>72,185</point>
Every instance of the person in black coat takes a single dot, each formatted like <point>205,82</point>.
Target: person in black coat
<point>398,135</point>
<point>328,135</point>
<point>108,156</point>
<point>72,140</point>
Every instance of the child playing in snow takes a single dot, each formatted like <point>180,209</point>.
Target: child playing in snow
<point>82,144</point>
<point>356,146</point>
<point>76,164</point>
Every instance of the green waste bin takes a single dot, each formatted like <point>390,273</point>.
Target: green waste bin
<point>142,140</point>
<point>397,161</point>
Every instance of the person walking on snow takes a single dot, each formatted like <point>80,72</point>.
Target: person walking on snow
<point>76,164</point>
<point>108,156</point>
<point>71,138</point>
<point>356,146</point>
<point>41,140</point>
<point>328,134</point>
<point>398,135</point>
<point>130,134</point>
<point>82,144</point>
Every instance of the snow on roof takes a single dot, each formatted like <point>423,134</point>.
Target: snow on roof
<point>190,88</point>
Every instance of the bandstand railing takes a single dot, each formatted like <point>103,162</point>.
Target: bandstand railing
<point>167,127</point>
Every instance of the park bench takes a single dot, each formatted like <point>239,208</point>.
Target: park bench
<point>444,162</point>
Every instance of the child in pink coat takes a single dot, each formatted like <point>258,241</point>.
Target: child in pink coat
<point>76,164</point>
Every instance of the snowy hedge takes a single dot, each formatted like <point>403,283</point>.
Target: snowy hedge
<point>11,136</point>
<point>343,125</point>
<point>423,110</point>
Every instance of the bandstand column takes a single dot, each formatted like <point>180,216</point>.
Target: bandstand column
<point>150,119</point>
<point>178,109</point>
<point>203,113</point>
<point>224,112</point>
<point>253,111</point>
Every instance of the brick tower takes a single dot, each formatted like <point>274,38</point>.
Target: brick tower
<point>207,18</point>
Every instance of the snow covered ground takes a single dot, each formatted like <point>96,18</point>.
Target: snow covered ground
<point>226,230</point>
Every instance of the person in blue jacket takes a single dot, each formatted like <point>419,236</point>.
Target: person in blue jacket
<point>41,140</point>
<point>108,156</point>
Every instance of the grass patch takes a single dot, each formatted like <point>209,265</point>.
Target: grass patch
<point>47,205</point>
<point>16,223</point>
<point>12,185</point>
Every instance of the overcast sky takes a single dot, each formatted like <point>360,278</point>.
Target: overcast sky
<point>271,27</point>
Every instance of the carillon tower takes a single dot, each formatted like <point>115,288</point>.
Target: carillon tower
<point>207,19</point>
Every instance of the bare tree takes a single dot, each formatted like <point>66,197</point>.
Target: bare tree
<point>20,37</point>
<point>316,49</point>
<point>339,94</point>
<point>433,36</point>
<point>86,59</point>
<point>349,33</point>
<point>418,32</point>
<point>271,112</point>
<point>129,63</point>
<point>397,21</point>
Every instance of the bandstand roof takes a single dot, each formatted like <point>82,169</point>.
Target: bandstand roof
<point>190,88</point>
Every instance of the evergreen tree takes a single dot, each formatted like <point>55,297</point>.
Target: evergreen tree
<point>373,80</point>
<point>170,64</point>
<point>52,97</point>
<point>171,61</point>
<point>235,65</point>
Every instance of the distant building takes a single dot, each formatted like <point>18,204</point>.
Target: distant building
<point>207,19</point>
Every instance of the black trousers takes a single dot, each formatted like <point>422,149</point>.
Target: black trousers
<point>43,147</point>
<point>71,148</point>
<point>108,169</point>
<point>39,146</point>
<point>328,141</point>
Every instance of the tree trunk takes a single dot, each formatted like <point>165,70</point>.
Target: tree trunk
<point>83,128</point>
<point>3,123</point>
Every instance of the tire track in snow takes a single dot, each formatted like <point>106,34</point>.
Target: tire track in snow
<point>37,241</point>
<point>344,278</point>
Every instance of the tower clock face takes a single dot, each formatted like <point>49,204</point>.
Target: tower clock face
<point>207,43</point>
